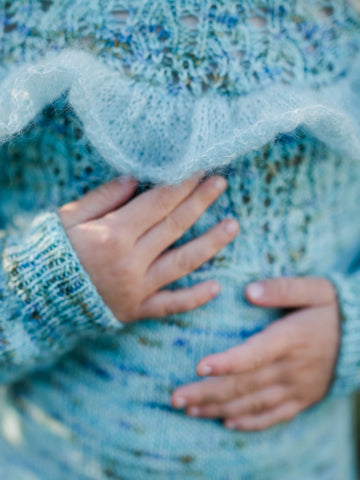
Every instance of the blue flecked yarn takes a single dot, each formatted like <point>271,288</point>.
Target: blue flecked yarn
<point>265,93</point>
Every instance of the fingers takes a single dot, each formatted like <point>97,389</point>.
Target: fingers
<point>253,404</point>
<point>281,413</point>
<point>225,388</point>
<point>168,302</point>
<point>178,262</point>
<point>257,352</point>
<point>155,241</point>
<point>291,292</point>
<point>151,207</point>
<point>98,202</point>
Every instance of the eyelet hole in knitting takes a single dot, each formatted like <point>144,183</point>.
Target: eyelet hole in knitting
<point>87,41</point>
<point>190,20</point>
<point>120,15</point>
<point>240,54</point>
<point>325,12</point>
<point>45,5</point>
<point>10,27</point>
<point>258,21</point>
<point>161,33</point>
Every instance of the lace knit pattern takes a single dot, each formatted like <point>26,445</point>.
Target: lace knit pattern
<point>231,47</point>
<point>85,398</point>
<point>231,86</point>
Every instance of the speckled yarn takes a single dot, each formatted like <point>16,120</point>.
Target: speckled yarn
<point>264,92</point>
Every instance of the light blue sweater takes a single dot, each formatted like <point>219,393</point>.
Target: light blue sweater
<point>267,93</point>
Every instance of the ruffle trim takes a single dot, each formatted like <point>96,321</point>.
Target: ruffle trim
<point>142,130</point>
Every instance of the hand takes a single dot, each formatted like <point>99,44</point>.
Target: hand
<point>121,245</point>
<point>278,372</point>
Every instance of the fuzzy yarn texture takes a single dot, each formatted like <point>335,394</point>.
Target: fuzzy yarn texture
<point>264,92</point>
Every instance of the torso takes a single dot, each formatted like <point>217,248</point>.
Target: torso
<point>103,412</point>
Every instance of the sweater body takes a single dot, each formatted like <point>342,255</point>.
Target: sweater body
<point>84,397</point>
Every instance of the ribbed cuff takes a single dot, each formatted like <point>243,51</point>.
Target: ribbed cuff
<point>347,371</point>
<point>45,273</point>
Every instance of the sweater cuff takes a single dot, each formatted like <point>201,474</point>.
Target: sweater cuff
<point>45,274</point>
<point>347,371</point>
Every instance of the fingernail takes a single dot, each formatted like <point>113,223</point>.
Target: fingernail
<point>180,402</point>
<point>204,370</point>
<point>219,183</point>
<point>231,227</point>
<point>215,289</point>
<point>194,411</point>
<point>255,290</point>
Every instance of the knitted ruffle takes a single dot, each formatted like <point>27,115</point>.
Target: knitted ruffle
<point>144,131</point>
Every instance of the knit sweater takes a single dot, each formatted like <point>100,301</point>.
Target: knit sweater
<point>264,92</point>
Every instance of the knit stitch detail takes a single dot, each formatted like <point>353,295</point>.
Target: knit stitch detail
<point>231,47</point>
<point>162,89</point>
<point>51,301</point>
<point>147,79</point>
<point>347,373</point>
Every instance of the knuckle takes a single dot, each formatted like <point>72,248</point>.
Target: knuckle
<point>106,233</point>
<point>182,262</point>
<point>220,236</point>
<point>175,224</point>
<point>220,410</point>
<point>168,306</point>
<point>170,309</point>
<point>286,374</point>
<point>251,384</point>
<point>212,243</point>
<point>283,288</point>
<point>124,243</point>
<point>187,303</point>
<point>130,268</point>
<point>237,388</point>
<point>121,244</point>
<point>198,396</point>
<point>256,357</point>
<point>258,405</point>
<point>218,240</point>
<point>228,365</point>
<point>107,237</point>
<point>197,207</point>
<point>165,201</point>
<point>104,193</point>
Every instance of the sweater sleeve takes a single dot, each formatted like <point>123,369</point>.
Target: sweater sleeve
<point>347,371</point>
<point>47,300</point>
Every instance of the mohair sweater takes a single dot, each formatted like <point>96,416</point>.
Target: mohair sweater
<point>265,92</point>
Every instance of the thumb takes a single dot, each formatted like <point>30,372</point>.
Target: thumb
<point>98,202</point>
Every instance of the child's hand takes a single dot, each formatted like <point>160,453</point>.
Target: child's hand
<point>121,245</point>
<point>278,372</point>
